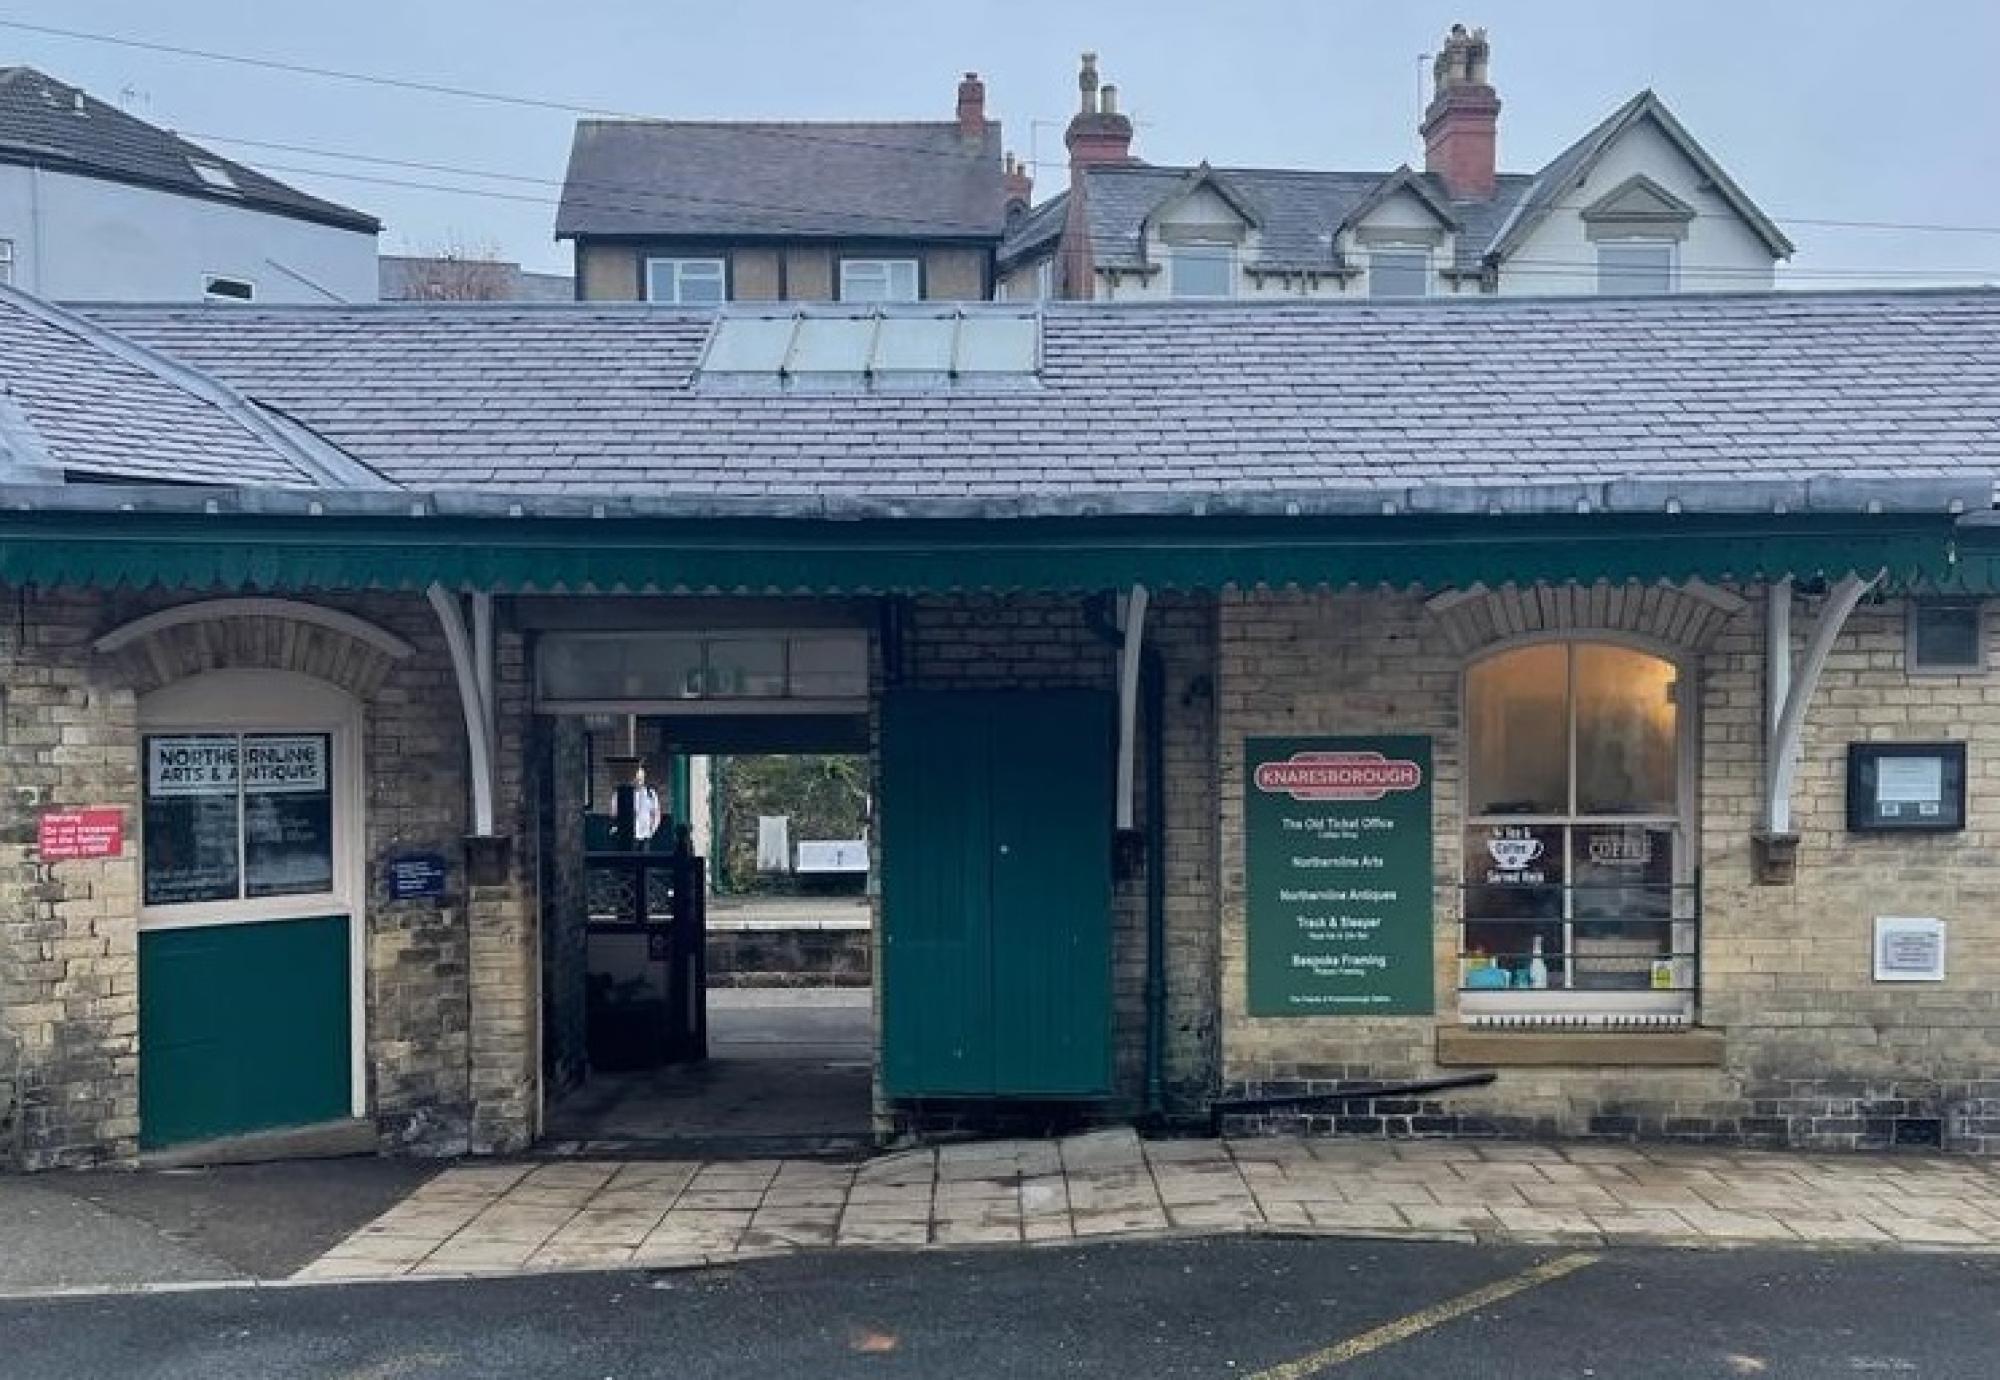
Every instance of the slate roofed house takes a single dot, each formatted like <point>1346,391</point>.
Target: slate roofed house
<point>98,205</point>
<point>1634,206</point>
<point>753,210</point>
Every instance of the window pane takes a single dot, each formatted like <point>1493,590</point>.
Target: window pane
<point>287,814</point>
<point>1399,273</point>
<point>1626,720</point>
<point>1201,270</point>
<point>878,280</point>
<point>902,280</point>
<point>701,280</point>
<point>1624,906</point>
<point>1635,267</point>
<point>1513,896</point>
<point>189,819</point>
<point>1947,636</point>
<point>744,667</point>
<point>1516,711</point>
<point>831,666</point>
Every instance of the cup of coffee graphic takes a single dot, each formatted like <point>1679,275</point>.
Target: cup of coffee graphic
<point>1514,854</point>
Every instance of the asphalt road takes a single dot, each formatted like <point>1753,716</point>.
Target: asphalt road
<point>1263,1309</point>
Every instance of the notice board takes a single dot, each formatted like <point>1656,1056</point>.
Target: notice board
<point>1339,876</point>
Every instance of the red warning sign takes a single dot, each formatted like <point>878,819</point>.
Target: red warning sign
<point>69,834</point>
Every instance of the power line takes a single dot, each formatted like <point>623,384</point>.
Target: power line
<point>794,132</point>
<point>790,131</point>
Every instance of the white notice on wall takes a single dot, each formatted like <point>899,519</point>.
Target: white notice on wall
<point>1909,780</point>
<point>1908,949</point>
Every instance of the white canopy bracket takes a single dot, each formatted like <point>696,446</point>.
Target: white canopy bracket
<point>472,666</point>
<point>1788,690</point>
<point>1132,621</point>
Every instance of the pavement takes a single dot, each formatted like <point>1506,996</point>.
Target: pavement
<point>790,1072</point>
<point>122,1227</point>
<point>601,1214</point>
<point>1251,1308</point>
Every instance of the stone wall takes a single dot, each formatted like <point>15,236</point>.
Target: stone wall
<point>1815,1053</point>
<point>69,737</point>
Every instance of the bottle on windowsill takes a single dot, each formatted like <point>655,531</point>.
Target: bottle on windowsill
<point>1538,968</point>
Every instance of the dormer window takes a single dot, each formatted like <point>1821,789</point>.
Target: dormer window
<point>1399,270</point>
<point>1202,270</point>
<point>1637,267</point>
<point>215,176</point>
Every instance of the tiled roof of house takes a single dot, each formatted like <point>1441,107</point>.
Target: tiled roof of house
<point>79,400</point>
<point>1230,403</point>
<point>1035,231</point>
<point>1298,212</point>
<point>820,180</point>
<point>50,124</point>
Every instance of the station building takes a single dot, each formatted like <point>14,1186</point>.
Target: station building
<point>1556,718</point>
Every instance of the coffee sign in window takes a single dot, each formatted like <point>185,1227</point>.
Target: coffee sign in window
<point>235,816</point>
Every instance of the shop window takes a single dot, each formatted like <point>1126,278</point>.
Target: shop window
<point>237,817</point>
<point>1947,637</point>
<point>1579,906</point>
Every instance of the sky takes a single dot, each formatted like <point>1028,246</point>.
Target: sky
<point>1828,111</point>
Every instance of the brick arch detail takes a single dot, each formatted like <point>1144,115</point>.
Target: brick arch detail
<point>254,634</point>
<point>1687,616</point>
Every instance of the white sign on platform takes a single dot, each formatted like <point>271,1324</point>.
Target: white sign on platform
<point>833,855</point>
<point>1908,949</point>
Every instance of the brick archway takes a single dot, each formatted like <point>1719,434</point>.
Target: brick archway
<point>254,634</point>
<point>1689,616</point>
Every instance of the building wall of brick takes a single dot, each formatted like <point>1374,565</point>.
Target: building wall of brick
<point>1046,643</point>
<point>1817,1053</point>
<point>450,997</point>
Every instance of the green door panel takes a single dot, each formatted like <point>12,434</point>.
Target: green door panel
<point>996,912</point>
<point>936,885</point>
<point>1052,827</point>
<point>243,1028</point>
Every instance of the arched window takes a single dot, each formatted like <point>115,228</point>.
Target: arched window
<point>1579,899</point>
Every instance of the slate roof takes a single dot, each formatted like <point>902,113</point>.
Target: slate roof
<point>78,400</point>
<point>670,178</point>
<point>1227,403</point>
<point>40,126</point>
<point>1300,209</point>
<point>1298,212</point>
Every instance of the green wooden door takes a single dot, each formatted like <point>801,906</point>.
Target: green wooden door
<point>996,894</point>
<point>243,1028</point>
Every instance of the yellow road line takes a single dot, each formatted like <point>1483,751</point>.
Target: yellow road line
<point>1424,1319</point>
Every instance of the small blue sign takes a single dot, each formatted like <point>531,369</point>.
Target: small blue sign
<point>416,875</point>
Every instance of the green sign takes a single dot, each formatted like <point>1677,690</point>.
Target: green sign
<point>1340,876</point>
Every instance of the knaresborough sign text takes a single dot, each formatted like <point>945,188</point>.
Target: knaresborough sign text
<point>1339,887</point>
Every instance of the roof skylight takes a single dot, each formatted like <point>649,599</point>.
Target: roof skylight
<point>214,175</point>
<point>830,348</point>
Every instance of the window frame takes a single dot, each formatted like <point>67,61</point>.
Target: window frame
<point>680,263</point>
<point>1614,242</point>
<point>1403,249</point>
<point>887,263</point>
<point>1915,665</point>
<point>7,261</point>
<point>1209,251</point>
<point>209,294</point>
<point>260,703</point>
<point>1587,1008</point>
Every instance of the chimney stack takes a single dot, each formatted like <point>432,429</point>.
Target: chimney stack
<point>972,107</point>
<point>1018,185</point>
<point>1097,134</point>
<point>1461,128</point>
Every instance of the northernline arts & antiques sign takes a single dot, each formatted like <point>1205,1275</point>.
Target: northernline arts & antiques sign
<point>1340,876</point>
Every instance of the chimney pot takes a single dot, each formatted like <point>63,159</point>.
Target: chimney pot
<point>972,107</point>
<point>1461,127</point>
<point>1097,134</point>
<point>1018,185</point>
